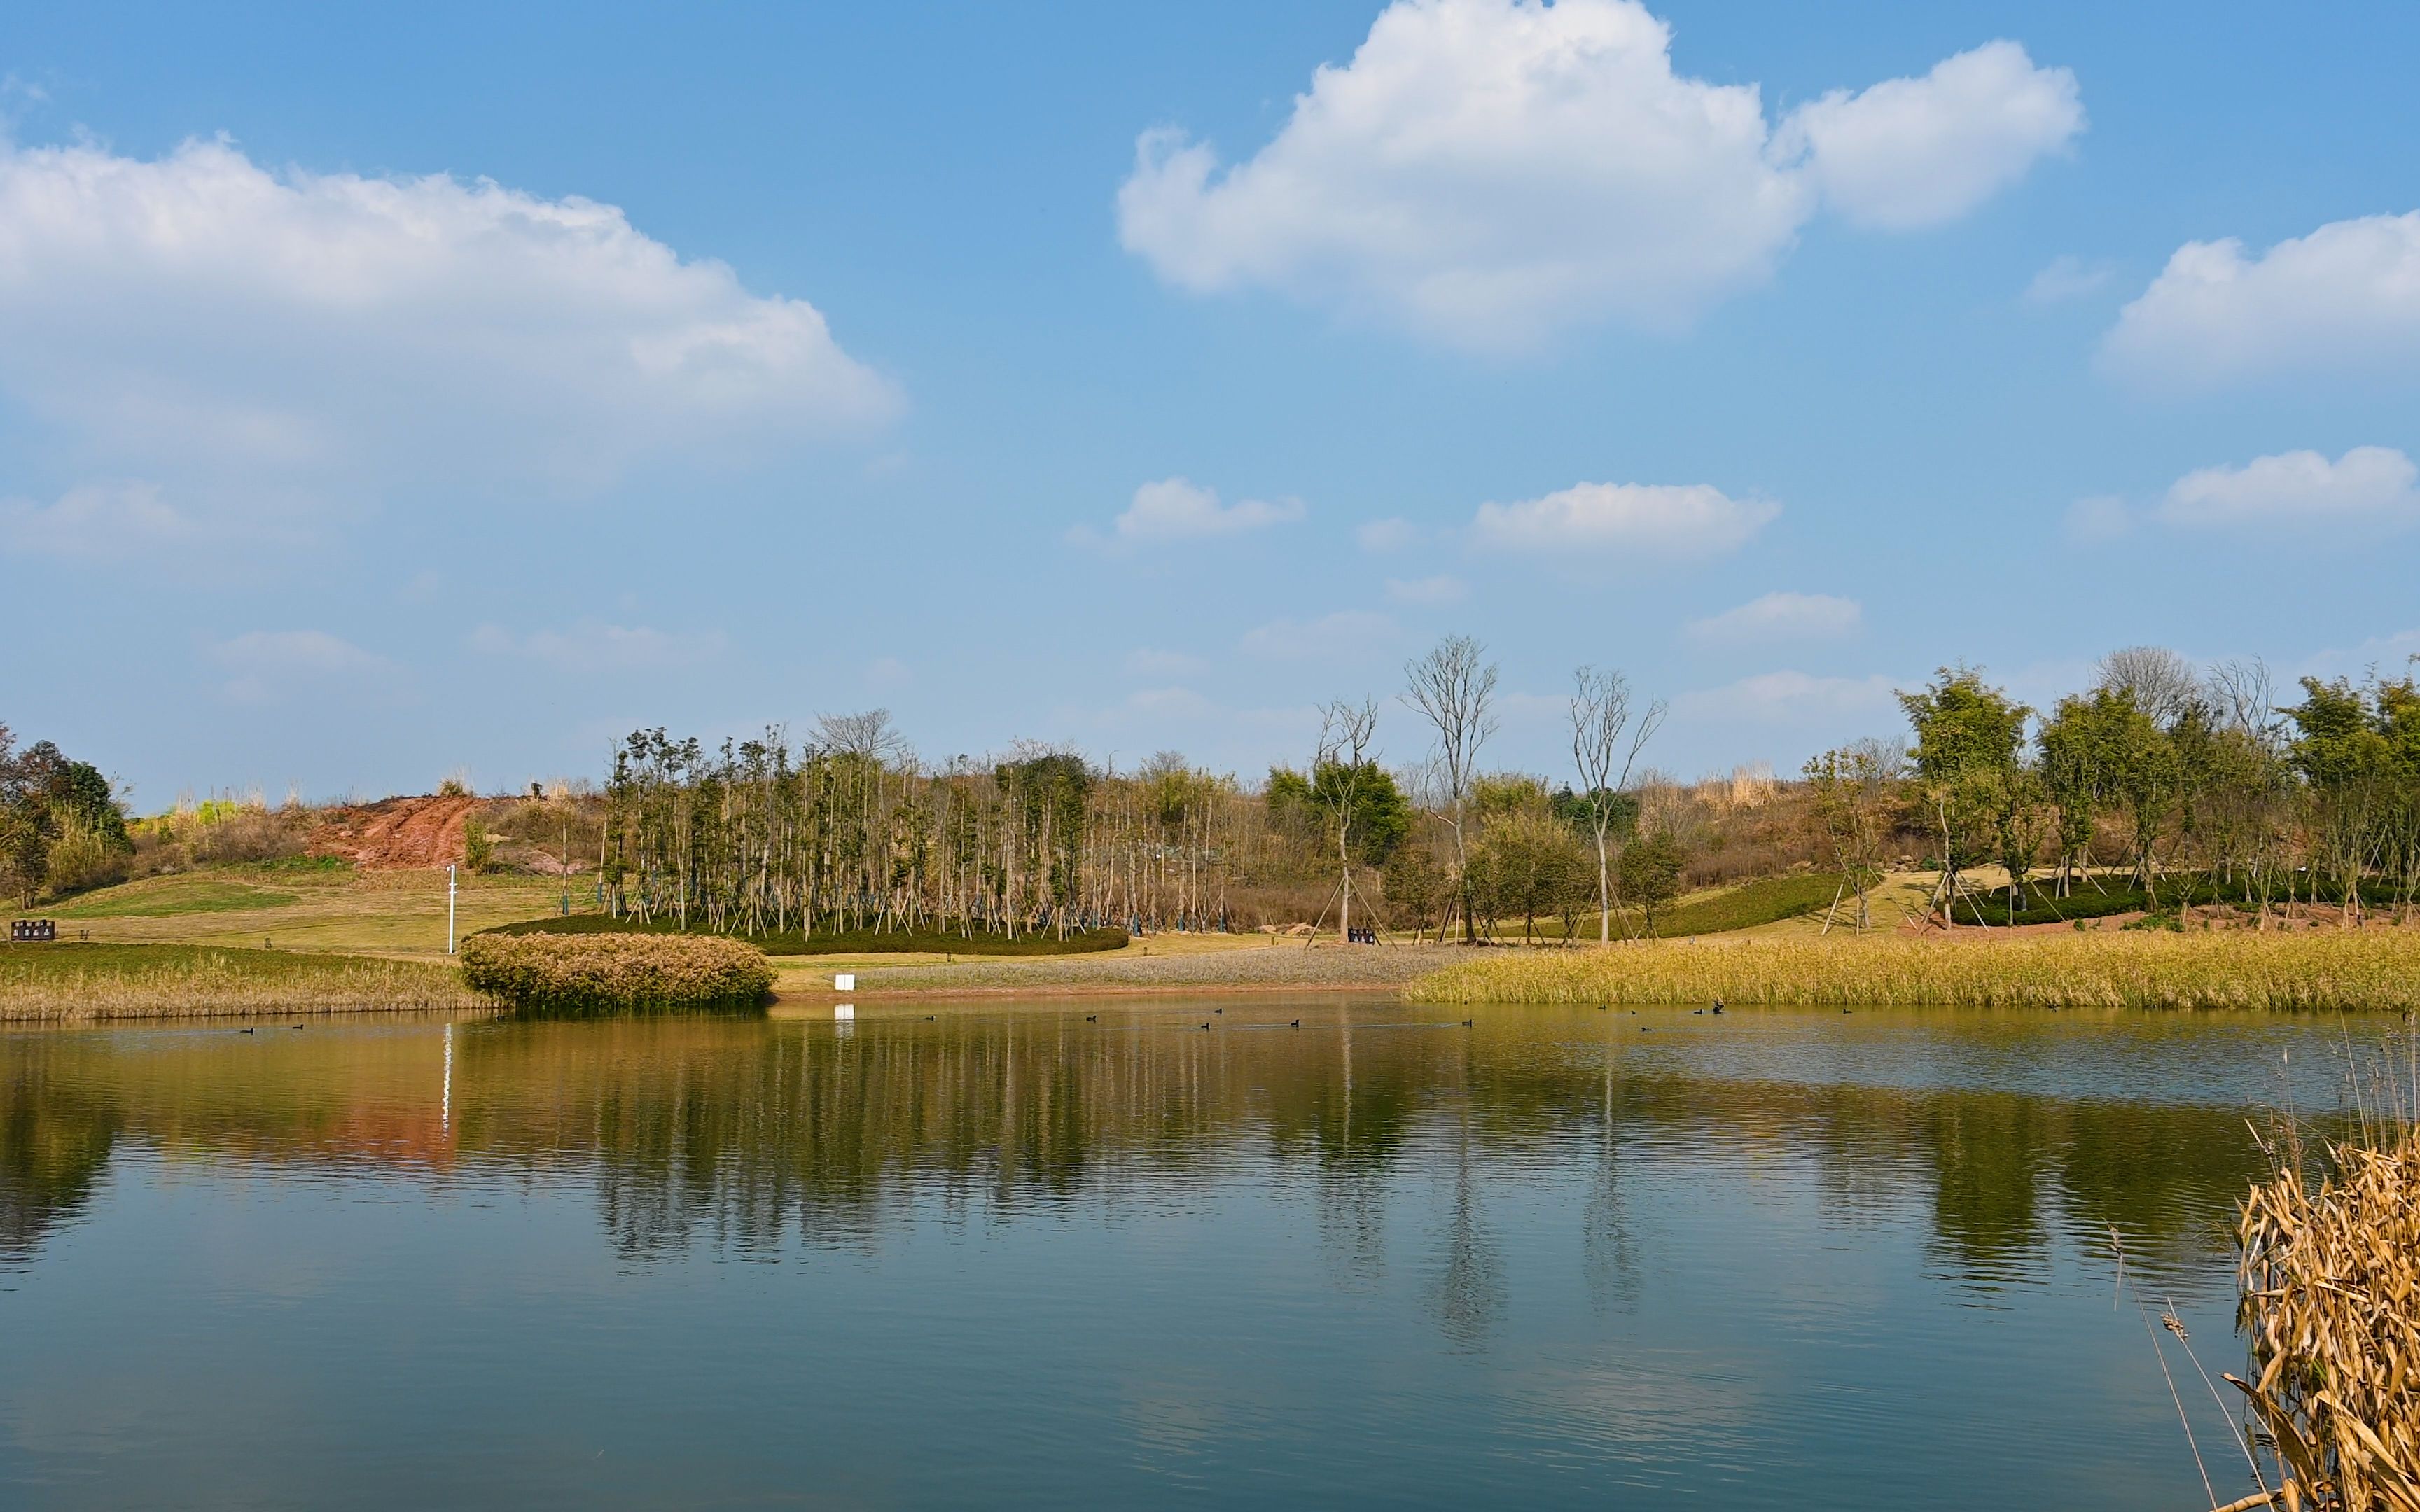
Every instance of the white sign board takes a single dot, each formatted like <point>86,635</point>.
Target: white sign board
<point>845,983</point>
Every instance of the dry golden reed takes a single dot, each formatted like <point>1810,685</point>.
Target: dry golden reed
<point>2377,969</point>
<point>583,974</point>
<point>63,984</point>
<point>2331,1306</point>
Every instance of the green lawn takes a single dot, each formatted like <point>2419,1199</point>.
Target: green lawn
<point>167,897</point>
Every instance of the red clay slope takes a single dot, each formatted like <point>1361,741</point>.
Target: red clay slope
<point>394,833</point>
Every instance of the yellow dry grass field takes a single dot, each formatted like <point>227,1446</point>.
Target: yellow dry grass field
<point>2289,971</point>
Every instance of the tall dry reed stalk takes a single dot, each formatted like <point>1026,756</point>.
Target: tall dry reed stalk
<point>2363,970</point>
<point>2331,1303</point>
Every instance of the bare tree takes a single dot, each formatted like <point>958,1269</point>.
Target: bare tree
<point>1345,732</point>
<point>1853,788</point>
<point>1453,687</point>
<point>2243,694</point>
<point>870,734</point>
<point>2165,685</point>
<point>1600,714</point>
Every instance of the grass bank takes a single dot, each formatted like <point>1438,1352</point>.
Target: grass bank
<point>585,975</point>
<point>2365,971</point>
<point>845,942</point>
<point>71,982</point>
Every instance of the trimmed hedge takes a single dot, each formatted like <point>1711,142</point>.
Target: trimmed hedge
<point>585,975</point>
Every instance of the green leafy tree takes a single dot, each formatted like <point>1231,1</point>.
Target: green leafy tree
<point>1969,737</point>
<point>1650,873</point>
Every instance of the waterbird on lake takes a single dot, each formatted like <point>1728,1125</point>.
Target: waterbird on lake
<point>1298,1024</point>
<point>1091,1018</point>
<point>1218,1011</point>
<point>243,1031</point>
<point>1719,1005</point>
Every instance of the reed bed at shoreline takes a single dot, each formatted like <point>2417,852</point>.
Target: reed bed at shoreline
<point>581,975</point>
<point>77,983</point>
<point>2368,970</point>
<point>2331,1303</point>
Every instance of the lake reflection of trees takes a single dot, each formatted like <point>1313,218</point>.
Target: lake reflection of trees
<point>741,1133</point>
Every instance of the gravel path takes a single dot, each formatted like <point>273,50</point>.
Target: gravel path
<point>1278,968</point>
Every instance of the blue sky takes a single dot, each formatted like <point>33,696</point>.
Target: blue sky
<point>379,400</point>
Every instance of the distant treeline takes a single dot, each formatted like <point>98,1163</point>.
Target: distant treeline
<point>2159,767</point>
<point>2161,781</point>
<point>60,825</point>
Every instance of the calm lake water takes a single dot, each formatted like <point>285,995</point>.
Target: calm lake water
<point>1557,1258</point>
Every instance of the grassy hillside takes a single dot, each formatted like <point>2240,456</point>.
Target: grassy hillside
<point>302,905</point>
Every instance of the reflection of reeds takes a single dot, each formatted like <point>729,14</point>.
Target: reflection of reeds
<point>69,983</point>
<point>2373,970</point>
<point>583,974</point>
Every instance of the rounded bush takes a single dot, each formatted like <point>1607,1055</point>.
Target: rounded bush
<point>597,974</point>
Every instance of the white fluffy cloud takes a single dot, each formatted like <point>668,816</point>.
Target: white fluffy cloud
<point>1392,534</point>
<point>1792,697</point>
<point>198,316</point>
<point>591,646</point>
<point>1781,616</point>
<point>268,665</point>
<point>2345,296</point>
<point>1174,509</point>
<point>2064,278</point>
<point>1349,635</point>
<point>1442,589</point>
<point>96,520</point>
<point>1651,519</point>
<point>2369,486</point>
<point>1488,170</point>
<point>1916,152</point>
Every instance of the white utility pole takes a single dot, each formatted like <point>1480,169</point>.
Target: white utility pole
<point>449,910</point>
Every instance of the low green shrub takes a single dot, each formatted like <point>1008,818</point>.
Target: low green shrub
<point>2092,898</point>
<point>588,974</point>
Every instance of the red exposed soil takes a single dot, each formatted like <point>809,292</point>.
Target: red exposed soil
<point>394,833</point>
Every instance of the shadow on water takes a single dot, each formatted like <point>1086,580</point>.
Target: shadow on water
<point>740,1132</point>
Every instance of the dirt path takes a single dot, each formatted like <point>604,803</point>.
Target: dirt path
<point>394,833</point>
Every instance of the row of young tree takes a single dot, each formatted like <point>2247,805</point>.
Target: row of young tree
<point>850,829</point>
<point>2199,783</point>
<point>60,825</point>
